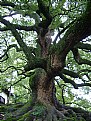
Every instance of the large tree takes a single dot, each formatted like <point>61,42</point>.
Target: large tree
<point>29,27</point>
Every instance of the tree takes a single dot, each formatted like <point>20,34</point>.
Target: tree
<point>45,59</point>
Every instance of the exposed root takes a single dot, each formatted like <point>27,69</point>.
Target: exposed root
<point>50,114</point>
<point>54,114</point>
<point>42,112</point>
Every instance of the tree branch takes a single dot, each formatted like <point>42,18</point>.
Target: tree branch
<point>84,84</point>
<point>66,80</point>
<point>63,30</point>
<point>18,38</point>
<point>83,46</point>
<point>44,9</point>
<point>75,85</point>
<point>18,81</point>
<point>84,70</point>
<point>5,54</point>
<point>20,27</point>
<point>70,73</point>
<point>76,75</point>
<point>62,89</point>
<point>6,3</point>
<point>8,68</point>
<point>6,51</point>
<point>78,59</point>
<point>77,32</point>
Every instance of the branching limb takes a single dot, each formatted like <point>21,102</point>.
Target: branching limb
<point>74,35</point>
<point>5,54</point>
<point>15,46</point>
<point>77,75</point>
<point>70,73</point>
<point>84,46</point>
<point>18,81</point>
<point>66,80</point>
<point>62,88</point>
<point>8,68</point>
<point>19,27</point>
<point>10,15</point>
<point>78,59</point>
<point>85,72</point>
<point>6,3</point>
<point>62,31</point>
<point>17,37</point>
<point>44,9</point>
<point>6,51</point>
<point>84,84</point>
<point>75,85</point>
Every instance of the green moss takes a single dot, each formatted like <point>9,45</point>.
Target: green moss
<point>25,117</point>
<point>60,46</point>
<point>32,80</point>
<point>57,48</point>
<point>38,110</point>
<point>3,108</point>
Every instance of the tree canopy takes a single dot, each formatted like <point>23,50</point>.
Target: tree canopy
<point>45,52</point>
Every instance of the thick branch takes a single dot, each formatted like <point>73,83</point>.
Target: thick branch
<point>83,46</point>
<point>75,85</point>
<point>62,31</point>
<point>78,59</point>
<point>77,32</point>
<point>66,80</point>
<point>70,73</point>
<point>6,3</point>
<point>20,27</point>
<point>84,84</point>
<point>45,11</point>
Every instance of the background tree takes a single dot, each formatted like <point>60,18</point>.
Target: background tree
<point>30,53</point>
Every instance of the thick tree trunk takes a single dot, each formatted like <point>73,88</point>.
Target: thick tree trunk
<point>43,88</point>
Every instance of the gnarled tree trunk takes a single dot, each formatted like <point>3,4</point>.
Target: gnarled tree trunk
<point>44,90</point>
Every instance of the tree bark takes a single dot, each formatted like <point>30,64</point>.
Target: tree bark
<point>43,88</point>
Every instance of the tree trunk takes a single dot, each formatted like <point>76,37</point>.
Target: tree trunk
<point>43,88</point>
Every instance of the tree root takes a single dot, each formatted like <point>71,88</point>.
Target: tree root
<point>50,114</point>
<point>16,112</point>
<point>41,112</point>
<point>54,114</point>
